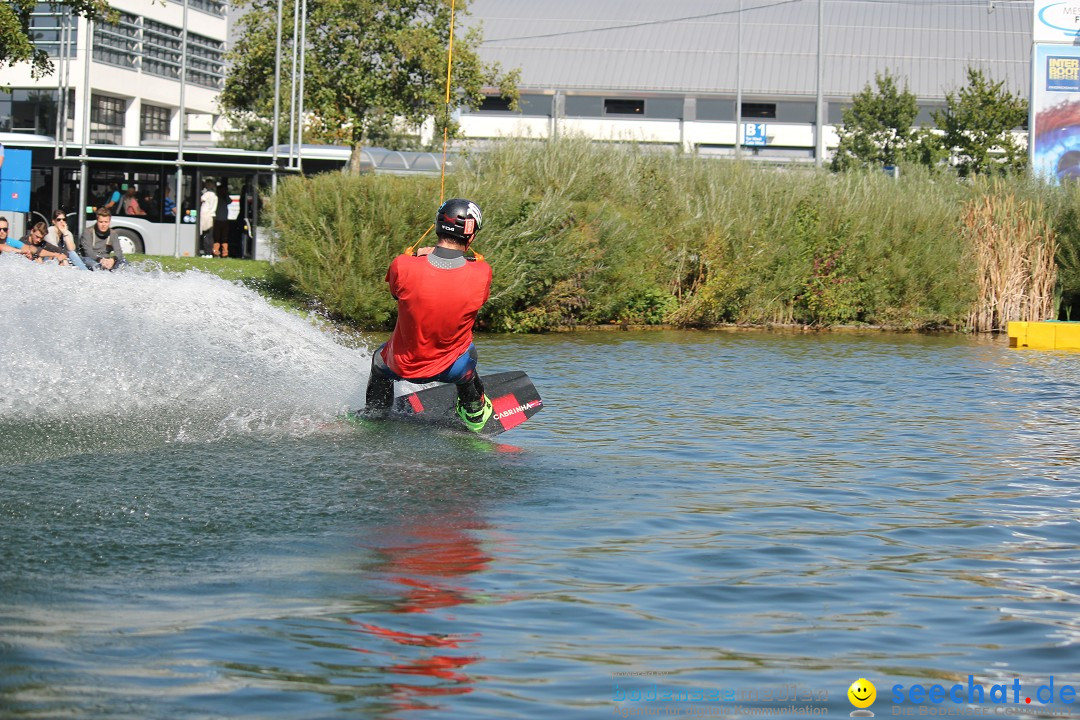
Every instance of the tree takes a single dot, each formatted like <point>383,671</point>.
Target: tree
<point>374,70</point>
<point>16,43</point>
<point>978,123</point>
<point>877,128</point>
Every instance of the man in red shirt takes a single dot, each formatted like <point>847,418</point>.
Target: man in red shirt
<point>439,292</point>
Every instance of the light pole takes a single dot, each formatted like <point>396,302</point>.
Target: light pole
<point>178,192</point>
<point>738,88</point>
<point>819,134</point>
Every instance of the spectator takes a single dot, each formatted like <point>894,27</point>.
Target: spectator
<point>2,157</point>
<point>221,221</point>
<point>170,204</point>
<point>35,240</point>
<point>207,211</point>
<point>246,216</point>
<point>60,237</point>
<point>150,205</point>
<point>58,233</point>
<point>11,245</point>
<point>113,203</point>
<point>130,203</point>
<point>98,240</point>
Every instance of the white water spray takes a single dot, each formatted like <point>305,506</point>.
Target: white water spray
<point>176,356</point>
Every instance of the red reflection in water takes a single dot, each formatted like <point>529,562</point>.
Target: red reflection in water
<point>427,560</point>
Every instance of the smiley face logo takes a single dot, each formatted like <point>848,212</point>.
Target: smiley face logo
<point>862,693</point>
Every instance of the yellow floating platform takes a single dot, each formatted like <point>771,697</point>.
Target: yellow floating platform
<point>1044,335</point>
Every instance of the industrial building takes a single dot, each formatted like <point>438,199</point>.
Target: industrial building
<point>671,72</point>
<point>681,73</point>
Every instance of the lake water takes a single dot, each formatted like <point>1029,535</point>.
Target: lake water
<point>185,532</point>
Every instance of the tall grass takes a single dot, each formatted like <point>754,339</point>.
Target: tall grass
<point>337,235</point>
<point>579,233</point>
<point>1014,250</point>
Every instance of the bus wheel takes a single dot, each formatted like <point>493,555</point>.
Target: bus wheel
<point>130,241</point>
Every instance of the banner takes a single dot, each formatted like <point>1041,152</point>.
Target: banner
<point>1054,124</point>
<point>1056,22</point>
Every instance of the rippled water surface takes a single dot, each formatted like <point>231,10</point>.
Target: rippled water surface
<point>186,532</point>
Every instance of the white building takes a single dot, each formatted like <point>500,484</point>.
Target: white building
<point>133,75</point>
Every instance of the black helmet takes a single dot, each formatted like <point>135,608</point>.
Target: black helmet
<point>458,219</point>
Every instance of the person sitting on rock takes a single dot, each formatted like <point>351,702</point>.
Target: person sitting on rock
<point>100,245</point>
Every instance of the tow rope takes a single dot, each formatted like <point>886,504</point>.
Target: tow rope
<point>411,250</point>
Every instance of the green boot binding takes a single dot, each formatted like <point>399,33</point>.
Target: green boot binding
<point>477,419</point>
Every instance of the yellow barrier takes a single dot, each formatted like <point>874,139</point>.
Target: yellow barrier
<point>1044,335</point>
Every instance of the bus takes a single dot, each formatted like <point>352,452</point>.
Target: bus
<point>151,173</point>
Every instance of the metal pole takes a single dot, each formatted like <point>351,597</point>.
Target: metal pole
<point>62,84</point>
<point>178,191</point>
<point>292,84</point>
<point>738,89</point>
<point>84,174</point>
<point>556,113</point>
<point>300,107</point>
<point>277,101</point>
<point>819,144</point>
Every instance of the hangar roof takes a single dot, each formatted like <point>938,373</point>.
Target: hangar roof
<point>691,46</point>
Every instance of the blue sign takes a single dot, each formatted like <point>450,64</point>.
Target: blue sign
<point>15,181</point>
<point>754,134</point>
<point>1062,74</point>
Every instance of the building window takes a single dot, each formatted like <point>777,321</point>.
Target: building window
<point>214,7</point>
<point>206,61</point>
<point>624,107</point>
<point>46,29</point>
<point>796,112</point>
<point>835,112</point>
<point>766,111</point>
<point>34,111</point>
<point>107,120</point>
<point>154,122</point>
<point>583,106</point>
<point>715,109</point>
<point>158,48</point>
<point>667,108</point>
<point>925,118</point>
<point>161,49</point>
<point>539,105</point>
<point>495,103</point>
<point>118,44</point>
<point>534,105</point>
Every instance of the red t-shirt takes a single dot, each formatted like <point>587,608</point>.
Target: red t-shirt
<point>436,312</point>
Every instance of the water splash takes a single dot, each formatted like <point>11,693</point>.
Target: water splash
<point>100,361</point>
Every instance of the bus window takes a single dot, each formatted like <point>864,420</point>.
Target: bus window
<point>69,194</point>
<point>41,193</point>
<point>168,200</point>
<point>105,186</point>
<point>188,197</point>
<point>148,194</point>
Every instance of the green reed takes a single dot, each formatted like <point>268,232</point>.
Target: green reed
<point>582,233</point>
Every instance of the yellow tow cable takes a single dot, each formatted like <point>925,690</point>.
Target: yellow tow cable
<point>411,250</point>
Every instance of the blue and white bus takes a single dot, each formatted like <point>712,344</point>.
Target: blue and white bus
<point>151,171</point>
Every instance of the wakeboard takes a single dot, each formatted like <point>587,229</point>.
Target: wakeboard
<point>514,399</point>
